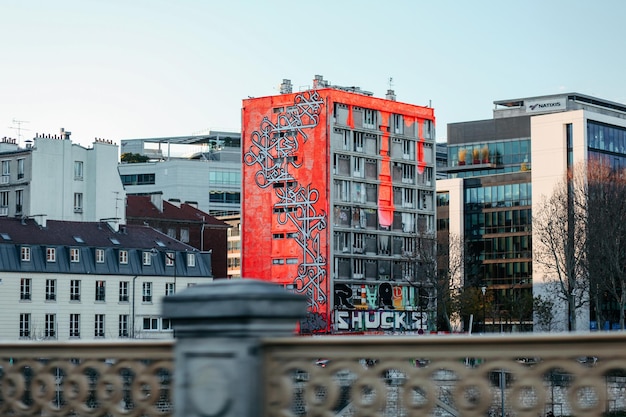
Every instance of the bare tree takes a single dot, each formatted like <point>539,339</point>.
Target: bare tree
<point>559,244</point>
<point>450,282</point>
<point>606,240</point>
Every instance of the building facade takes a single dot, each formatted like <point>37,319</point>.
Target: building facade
<point>499,170</point>
<point>183,222</point>
<point>233,257</point>
<point>54,179</point>
<point>338,190</point>
<point>84,280</point>
<point>203,170</point>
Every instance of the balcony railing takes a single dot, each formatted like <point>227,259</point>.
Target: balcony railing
<point>236,355</point>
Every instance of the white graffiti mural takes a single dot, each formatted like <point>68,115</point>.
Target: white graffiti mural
<point>273,149</point>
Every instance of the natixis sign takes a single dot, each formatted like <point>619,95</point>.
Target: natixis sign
<point>542,106</point>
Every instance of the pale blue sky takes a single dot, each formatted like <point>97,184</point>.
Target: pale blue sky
<point>118,69</point>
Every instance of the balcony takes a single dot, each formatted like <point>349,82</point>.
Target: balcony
<point>235,355</point>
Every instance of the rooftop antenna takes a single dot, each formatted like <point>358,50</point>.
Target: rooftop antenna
<point>391,95</point>
<point>19,128</point>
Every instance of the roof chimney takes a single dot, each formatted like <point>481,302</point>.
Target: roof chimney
<point>64,134</point>
<point>286,87</point>
<point>391,95</point>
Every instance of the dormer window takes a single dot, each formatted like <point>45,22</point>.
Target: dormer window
<point>147,258</point>
<point>100,256</point>
<point>191,259</point>
<point>169,258</point>
<point>74,255</point>
<point>25,253</point>
<point>51,255</point>
<point>123,256</point>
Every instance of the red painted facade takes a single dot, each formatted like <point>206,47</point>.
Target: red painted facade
<point>287,186</point>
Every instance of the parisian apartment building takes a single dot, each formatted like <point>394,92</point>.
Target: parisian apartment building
<point>51,178</point>
<point>85,280</point>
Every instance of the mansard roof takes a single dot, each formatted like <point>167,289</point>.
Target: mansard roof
<point>92,234</point>
<point>66,236</point>
<point>141,206</point>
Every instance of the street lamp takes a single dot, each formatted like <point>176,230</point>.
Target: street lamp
<point>484,290</point>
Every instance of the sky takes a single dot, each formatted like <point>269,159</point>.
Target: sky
<point>122,69</point>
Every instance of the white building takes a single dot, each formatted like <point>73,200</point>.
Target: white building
<point>84,280</point>
<point>203,170</point>
<point>54,179</point>
<point>499,171</point>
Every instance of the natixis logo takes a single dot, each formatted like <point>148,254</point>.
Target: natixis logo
<point>542,106</point>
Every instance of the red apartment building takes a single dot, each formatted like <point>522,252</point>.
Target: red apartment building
<point>183,222</point>
<point>338,188</point>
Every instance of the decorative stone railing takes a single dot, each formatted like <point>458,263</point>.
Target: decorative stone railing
<point>502,375</point>
<point>130,378</point>
<point>235,356</point>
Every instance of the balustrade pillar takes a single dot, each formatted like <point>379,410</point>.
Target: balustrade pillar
<point>218,327</point>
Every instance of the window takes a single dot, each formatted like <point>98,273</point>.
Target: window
<point>171,232</point>
<point>25,325</point>
<point>278,261</point>
<point>78,202</point>
<point>123,325</point>
<point>191,259</point>
<point>184,235</point>
<point>147,292</point>
<point>6,172</point>
<point>123,255</point>
<point>138,179</point>
<point>74,255</point>
<point>25,289</point>
<point>358,167</point>
<point>147,258</point>
<point>50,326</point>
<point>51,255</point>
<point>19,201</point>
<point>369,119</point>
<point>100,256</point>
<point>78,170</point>
<point>292,261</point>
<point>98,328</point>
<point>25,253</point>
<point>150,323</point>
<point>169,288</point>
<point>75,290</point>
<point>100,291</point>
<point>20,168</point>
<point>398,124</point>
<point>169,259</point>
<point>358,141</point>
<point>124,291</point>
<point>51,289</point>
<point>74,325</point>
<point>408,150</point>
<point>166,324</point>
<point>4,203</point>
